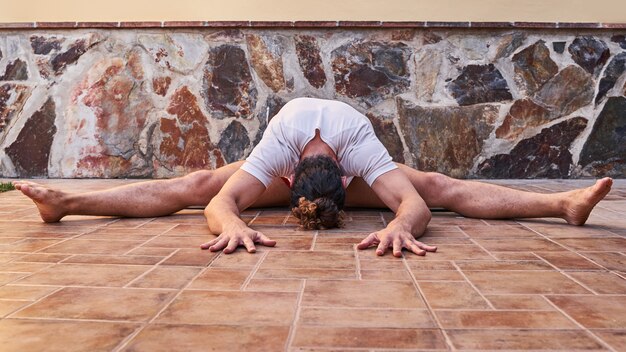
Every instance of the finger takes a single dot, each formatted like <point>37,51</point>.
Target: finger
<point>232,246</point>
<point>426,247</point>
<point>382,246</point>
<point>397,248</point>
<point>221,243</point>
<point>210,243</point>
<point>368,241</point>
<point>264,240</point>
<point>247,242</point>
<point>413,247</point>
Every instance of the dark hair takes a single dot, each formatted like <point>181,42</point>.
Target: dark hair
<point>317,193</point>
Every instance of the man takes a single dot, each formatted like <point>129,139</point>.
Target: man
<point>318,147</point>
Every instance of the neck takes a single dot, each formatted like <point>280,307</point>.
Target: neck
<point>316,146</point>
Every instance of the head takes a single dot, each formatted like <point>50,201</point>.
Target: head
<point>317,193</point>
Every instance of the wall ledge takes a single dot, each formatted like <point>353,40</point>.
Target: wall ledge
<point>309,24</point>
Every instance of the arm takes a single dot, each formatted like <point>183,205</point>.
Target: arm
<point>222,213</point>
<point>412,216</point>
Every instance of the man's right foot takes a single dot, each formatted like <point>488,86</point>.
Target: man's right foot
<point>50,202</point>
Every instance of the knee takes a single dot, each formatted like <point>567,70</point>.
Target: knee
<point>201,184</point>
<point>439,183</point>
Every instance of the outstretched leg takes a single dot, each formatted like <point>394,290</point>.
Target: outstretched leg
<point>488,201</point>
<point>484,200</point>
<point>142,199</point>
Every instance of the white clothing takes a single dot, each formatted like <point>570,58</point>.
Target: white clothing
<point>346,131</point>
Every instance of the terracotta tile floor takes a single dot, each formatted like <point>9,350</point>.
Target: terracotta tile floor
<point>109,284</point>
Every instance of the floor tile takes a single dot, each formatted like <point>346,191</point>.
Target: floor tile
<point>437,275</point>
<point>609,260</point>
<point>503,265</point>
<point>518,244</point>
<point>191,257</point>
<point>305,273</point>
<point>452,295</point>
<point>20,292</point>
<point>239,259</point>
<point>159,337</point>
<point>601,282</point>
<point>86,275</point>
<point>505,231</point>
<point>23,267</point>
<point>113,259</point>
<point>173,277</point>
<point>523,282</point>
<point>593,244</point>
<point>464,319</point>
<point>99,304</point>
<point>44,258</point>
<point>381,263</point>
<point>568,261</point>
<point>594,312</point>
<point>492,339</point>
<point>454,252</point>
<point>274,285</point>
<point>385,275</point>
<point>353,293</point>
<point>309,259</point>
<point>231,308</point>
<point>220,280</point>
<point>191,242</point>
<point>367,318</point>
<point>66,336</point>
<point>28,245</point>
<point>92,247</point>
<point>335,337</point>
<point>512,302</point>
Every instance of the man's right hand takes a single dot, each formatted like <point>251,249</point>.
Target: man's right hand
<point>230,239</point>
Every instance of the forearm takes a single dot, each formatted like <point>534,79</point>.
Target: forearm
<point>412,216</point>
<point>222,213</point>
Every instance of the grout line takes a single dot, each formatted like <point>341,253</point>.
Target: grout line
<point>472,284</point>
<point>254,270</point>
<point>314,241</point>
<point>606,345</point>
<point>357,262</point>
<point>428,306</point>
<point>294,324</point>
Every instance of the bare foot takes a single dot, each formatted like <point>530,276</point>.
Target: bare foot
<point>50,202</point>
<point>582,201</point>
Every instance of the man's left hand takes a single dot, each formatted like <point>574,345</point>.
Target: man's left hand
<point>395,239</point>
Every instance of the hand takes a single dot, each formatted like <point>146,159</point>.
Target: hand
<point>396,239</point>
<point>230,239</point>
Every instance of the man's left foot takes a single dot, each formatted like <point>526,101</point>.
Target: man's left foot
<point>581,201</point>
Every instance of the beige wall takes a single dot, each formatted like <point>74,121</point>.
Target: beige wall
<point>384,10</point>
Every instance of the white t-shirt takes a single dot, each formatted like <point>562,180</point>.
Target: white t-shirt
<point>346,131</point>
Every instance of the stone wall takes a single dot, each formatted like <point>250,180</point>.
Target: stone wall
<point>471,103</point>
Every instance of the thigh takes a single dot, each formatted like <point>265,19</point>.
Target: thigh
<point>277,194</point>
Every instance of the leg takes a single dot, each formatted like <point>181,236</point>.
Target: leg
<point>143,199</point>
<point>488,201</point>
<point>483,200</point>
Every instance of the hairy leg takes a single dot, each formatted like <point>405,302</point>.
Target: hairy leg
<point>142,199</point>
<point>484,200</point>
